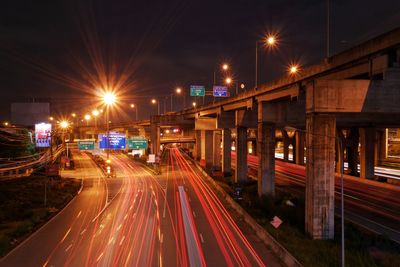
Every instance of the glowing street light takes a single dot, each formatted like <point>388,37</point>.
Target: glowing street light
<point>109,98</point>
<point>133,106</point>
<point>269,41</point>
<point>194,104</point>
<point>294,69</point>
<point>154,101</point>
<point>225,66</point>
<point>73,115</point>
<point>6,123</point>
<point>51,118</point>
<point>228,80</point>
<point>178,90</point>
<point>64,124</point>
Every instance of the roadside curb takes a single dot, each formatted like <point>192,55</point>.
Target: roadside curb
<point>281,252</point>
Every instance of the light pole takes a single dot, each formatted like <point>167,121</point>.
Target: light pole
<point>269,41</point>
<point>95,113</point>
<point>225,68</point>
<point>155,101</point>
<point>133,106</point>
<point>109,99</point>
<point>87,118</point>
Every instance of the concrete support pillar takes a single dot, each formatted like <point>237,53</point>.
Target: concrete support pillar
<point>299,148</point>
<point>217,150</point>
<point>197,145</point>
<point>155,138</point>
<point>286,143</point>
<point>320,175</point>
<point>367,154</point>
<point>241,155</point>
<point>206,149</point>
<point>226,151</point>
<point>266,156</point>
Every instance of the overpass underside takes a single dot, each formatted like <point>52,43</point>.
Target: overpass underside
<point>321,119</point>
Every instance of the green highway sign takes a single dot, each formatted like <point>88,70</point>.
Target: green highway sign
<point>197,90</point>
<point>86,145</point>
<point>137,143</point>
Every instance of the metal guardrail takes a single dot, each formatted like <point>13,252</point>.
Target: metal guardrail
<point>25,168</point>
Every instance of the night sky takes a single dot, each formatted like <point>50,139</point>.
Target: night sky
<point>64,50</point>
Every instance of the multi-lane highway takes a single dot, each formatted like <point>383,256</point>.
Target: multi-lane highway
<point>371,204</point>
<point>139,219</point>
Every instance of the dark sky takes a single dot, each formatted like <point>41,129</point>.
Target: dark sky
<point>64,50</point>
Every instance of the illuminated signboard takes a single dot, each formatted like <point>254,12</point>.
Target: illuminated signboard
<point>86,145</point>
<point>220,91</point>
<point>137,142</point>
<point>117,141</point>
<point>197,90</point>
<point>43,134</point>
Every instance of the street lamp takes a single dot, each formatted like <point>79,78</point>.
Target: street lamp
<point>136,110</point>
<point>154,101</point>
<point>87,118</point>
<point>109,99</point>
<point>194,104</point>
<point>270,41</point>
<point>293,69</point>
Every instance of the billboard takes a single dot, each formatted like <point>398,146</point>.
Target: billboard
<point>117,141</point>
<point>43,134</point>
<point>197,90</point>
<point>220,91</point>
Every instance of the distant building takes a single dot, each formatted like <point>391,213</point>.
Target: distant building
<point>28,114</point>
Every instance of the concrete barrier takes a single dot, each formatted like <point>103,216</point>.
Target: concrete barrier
<point>263,234</point>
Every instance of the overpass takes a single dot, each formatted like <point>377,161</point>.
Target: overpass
<point>323,113</point>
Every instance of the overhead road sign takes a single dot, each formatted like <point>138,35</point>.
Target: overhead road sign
<point>86,145</point>
<point>220,91</point>
<point>137,143</point>
<point>117,141</point>
<point>197,90</point>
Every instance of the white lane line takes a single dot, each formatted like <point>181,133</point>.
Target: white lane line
<point>194,250</point>
<point>194,214</point>
<point>162,238</point>
<point>84,230</point>
<point>201,238</point>
<point>122,240</point>
<point>68,248</point>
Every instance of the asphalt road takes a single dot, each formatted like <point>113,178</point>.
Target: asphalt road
<point>141,219</point>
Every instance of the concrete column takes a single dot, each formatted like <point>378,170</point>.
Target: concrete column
<point>217,150</point>
<point>226,151</point>
<point>197,145</point>
<point>266,156</point>
<point>320,175</point>
<point>241,155</point>
<point>206,149</point>
<point>367,141</point>
<point>286,143</point>
<point>299,150</point>
<point>155,138</point>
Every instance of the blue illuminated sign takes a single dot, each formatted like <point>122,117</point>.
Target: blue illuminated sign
<point>117,141</point>
<point>220,91</point>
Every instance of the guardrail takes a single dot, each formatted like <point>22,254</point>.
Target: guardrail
<point>17,169</point>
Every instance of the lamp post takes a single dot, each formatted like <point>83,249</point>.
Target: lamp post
<point>109,99</point>
<point>269,41</point>
<point>95,113</point>
<point>133,106</point>
<point>155,101</point>
<point>87,118</point>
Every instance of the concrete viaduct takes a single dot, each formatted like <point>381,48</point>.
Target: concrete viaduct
<point>326,110</point>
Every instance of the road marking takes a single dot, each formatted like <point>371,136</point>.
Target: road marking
<point>162,238</point>
<point>84,230</point>
<point>194,214</point>
<point>99,257</point>
<point>68,248</point>
<point>110,240</point>
<point>122,240</point>
<point>66,234</point>
<point>79,214</point>
<point>119,227</point>
<point>201,238</point>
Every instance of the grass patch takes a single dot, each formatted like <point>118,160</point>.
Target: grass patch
<point>362,248</point>
<point>22,207</point>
